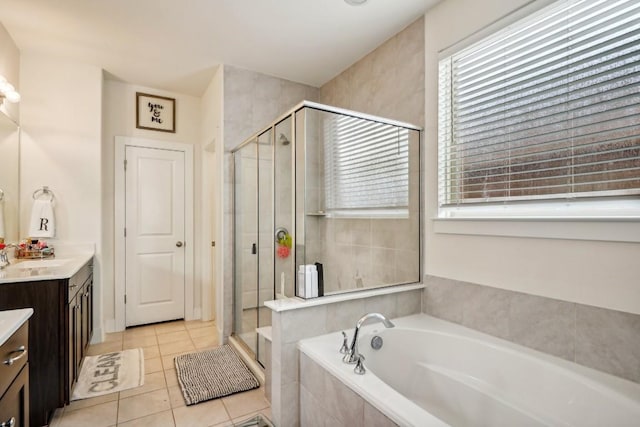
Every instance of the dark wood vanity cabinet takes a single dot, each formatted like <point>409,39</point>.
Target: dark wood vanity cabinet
<point>80,326</point>
<point>59,333</point>
<point>14,379</point>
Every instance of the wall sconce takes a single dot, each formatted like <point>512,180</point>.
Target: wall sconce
<point>8,92</point>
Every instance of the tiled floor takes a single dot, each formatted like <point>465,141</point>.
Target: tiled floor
<point>159,401</point>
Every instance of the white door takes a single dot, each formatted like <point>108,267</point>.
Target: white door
<point>155,229</point>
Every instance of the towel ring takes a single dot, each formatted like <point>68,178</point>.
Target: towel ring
<point>44,191</point>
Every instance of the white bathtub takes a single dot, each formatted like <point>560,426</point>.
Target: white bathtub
<point>433,373</point>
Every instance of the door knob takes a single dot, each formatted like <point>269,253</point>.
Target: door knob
<point>179,244</point>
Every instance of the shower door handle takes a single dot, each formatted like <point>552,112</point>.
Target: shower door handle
<point>253,249</point>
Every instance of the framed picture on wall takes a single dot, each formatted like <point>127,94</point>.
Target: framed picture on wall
<point>155,112</point>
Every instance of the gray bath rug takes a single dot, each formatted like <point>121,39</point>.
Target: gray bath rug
<point>210,374</point>
<point>109,373</point>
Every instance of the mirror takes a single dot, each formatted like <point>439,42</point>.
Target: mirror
<point>358,198</point>
<point>9,178</point>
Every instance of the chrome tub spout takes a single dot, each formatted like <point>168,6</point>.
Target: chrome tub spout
<point>353,355</point>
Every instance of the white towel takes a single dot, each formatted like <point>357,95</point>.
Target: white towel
<point>42,222</point>
<point>2,236</point>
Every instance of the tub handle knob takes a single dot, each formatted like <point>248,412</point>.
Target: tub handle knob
<point>359,369</point>
<point>345,344</point>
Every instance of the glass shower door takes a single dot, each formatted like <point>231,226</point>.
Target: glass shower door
<point>253,223</point>
<point>246,243</point>
<point>265,288</point>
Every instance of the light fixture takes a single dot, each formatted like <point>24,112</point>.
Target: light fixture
<point>355,2</point>
<point>8,92</point>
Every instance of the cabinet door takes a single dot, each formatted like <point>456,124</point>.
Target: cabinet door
<point>75,339</point>
<point>77,336</point>
<point>47,341</point>
<point>14,405</point>
<point>87,315</point>
<point>73,374</point>
<point>90,309</point>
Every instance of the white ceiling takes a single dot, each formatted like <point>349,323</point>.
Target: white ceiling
<point>176,44</point>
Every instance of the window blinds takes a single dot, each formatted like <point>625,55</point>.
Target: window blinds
<point>366,164</point>
<point>547,108</point>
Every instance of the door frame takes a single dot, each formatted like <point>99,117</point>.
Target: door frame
<point>121,143</point>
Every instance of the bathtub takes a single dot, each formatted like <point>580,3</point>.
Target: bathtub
<point>434,373</point>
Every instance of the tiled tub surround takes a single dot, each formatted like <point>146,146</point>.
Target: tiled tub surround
<point>293,320</point>
<point>431,372</point>
<point>326,401</point>
<point>603,339</point>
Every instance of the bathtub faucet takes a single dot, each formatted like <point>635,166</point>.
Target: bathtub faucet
<point>353,356</point>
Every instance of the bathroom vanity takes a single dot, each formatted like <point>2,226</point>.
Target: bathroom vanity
<point>14,369</point>
<point>60,291</point>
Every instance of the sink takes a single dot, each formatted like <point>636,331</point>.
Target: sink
<point>39,263</point>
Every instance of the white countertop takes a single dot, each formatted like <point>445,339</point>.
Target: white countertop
<point>295,303</point>
<point>11,320</point>
<point>64,265</point>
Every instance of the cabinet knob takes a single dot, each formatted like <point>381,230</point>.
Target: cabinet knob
<point>11,360</point>
<point>9,423</point>
<point>179,244</point>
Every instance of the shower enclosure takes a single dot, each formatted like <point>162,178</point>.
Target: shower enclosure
<point>323,185</point>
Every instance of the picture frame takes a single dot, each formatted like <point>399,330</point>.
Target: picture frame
<point>155,112</point>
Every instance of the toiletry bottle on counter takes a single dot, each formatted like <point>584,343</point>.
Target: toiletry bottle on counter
<point>301,282</point>
<point>320,272</point>
<point>308,281</point>
<point>311,281</point>
<point>314,281</point>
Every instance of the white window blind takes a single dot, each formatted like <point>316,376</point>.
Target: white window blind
<point>366,166</point>
<point>547,108</point>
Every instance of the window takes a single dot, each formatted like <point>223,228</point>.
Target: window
<point>547,109</point>
<point>366,167</point>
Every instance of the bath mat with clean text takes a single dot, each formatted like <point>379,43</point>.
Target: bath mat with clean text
<point>210,374</point>
<point>109,373</point>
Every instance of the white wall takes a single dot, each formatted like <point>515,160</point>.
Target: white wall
<point>119,119</point>
<point>211,108</point>
<point>60,147</point>
<point>599,273</point>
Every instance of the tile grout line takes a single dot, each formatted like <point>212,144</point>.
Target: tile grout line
<point>156,333</point>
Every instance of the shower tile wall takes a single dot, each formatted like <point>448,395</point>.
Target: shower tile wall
<point>251,101</point>
<point>388,82</point>
<point>363,252</point>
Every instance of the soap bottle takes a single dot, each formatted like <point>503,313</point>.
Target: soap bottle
<point>311,281</point>
<point>320,272</point>
<point>314,281</point>
<point>301,282</point>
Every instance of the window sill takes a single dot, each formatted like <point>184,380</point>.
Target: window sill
<point>611,229</point>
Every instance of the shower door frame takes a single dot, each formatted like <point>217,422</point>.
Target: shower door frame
<point>253,140</point>
<point>297,223</point>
